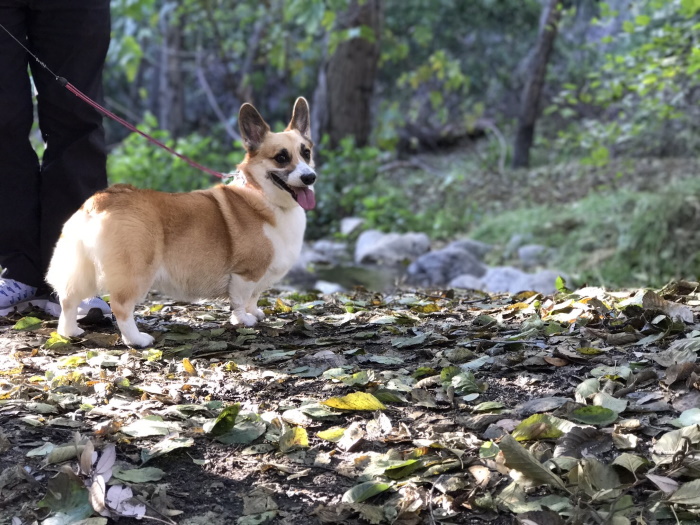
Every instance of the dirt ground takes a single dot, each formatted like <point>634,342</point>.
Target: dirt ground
<point>436,385</point>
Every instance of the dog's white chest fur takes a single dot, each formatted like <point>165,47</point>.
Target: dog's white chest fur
<point>287,238</point>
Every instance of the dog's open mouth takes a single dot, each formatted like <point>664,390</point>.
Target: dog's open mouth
<point>304,195</point>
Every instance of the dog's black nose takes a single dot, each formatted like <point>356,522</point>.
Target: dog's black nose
<point>308,178</point>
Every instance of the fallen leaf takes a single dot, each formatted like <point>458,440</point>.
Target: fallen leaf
<point>355,401</point>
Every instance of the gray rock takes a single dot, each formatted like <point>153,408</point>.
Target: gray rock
<point>503,279</point>
<point>494,432</point>
<point>515,242</point>
<point>438,268</point>
<point>542,281</point>
<point>326,287</point>
<point>350,224</point>
<point>476,248</point>
<point>467,282</point>
<point>389,248</point>
<point>512,280</point>
<point>532,255</point>
<point>329,252</point>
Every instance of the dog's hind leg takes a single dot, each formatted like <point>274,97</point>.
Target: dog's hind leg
<point>123,303</point>
<point>72,274</point>
<point>252,307</point>
<point>128,277</point>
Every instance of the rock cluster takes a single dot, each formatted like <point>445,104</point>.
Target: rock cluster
<point>408,258</point>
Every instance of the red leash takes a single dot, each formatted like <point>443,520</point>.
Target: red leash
<point>82,96</point>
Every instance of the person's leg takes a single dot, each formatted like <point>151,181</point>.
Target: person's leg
<point>19,167</point>
<point>71,37</point>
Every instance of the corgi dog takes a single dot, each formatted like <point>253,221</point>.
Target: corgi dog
<point>234,240</point>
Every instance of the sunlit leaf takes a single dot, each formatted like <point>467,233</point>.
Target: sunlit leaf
<point>293,439</point>
<point>332,434</point>
<point>56,341</point>
<point>27,323</point>
<point>355,401</point>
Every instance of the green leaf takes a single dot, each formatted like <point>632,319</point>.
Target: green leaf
<point>630,462</point>
<point>364,491</point>
<point>165,446</point>
<point>403,469</point>
<point>138,475</point>
<point>408,342</point>
<point>248,428</point>
<point>225,421</point>
<point>56,341</point>
<point>687,418</point>
<point>68,498</point>
<point>150,426</point>
<point>560,285</point>
<point>594,415</point>
<point>540,426</point>
<point>690,8</point>
<point>524,462</point>
<point>466,383</point>
<point>687,494</point>
<point>27,323</point>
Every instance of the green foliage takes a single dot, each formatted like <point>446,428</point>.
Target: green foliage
<point>442,58</point>
<point>347,175</point>
<point>621,238</point>
<point>353,182</point>
<point>640,96</point>
<point>139,162</point>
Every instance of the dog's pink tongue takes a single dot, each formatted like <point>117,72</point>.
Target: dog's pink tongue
<point>306,198</point>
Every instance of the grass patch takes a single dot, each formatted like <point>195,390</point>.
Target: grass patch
<point>614,238</point>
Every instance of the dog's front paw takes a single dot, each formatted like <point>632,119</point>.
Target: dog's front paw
<point>258,313</point>
<point>74,331</point>
<point>245,319</point>
<point>141,340</point>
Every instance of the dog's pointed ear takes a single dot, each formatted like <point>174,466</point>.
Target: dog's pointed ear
<point>301,118</point>
<point>253,127</point>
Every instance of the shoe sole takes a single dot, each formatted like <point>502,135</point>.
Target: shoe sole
<point>50,307</point>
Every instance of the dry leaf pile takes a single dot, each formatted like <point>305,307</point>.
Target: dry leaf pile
<point>361,408</point>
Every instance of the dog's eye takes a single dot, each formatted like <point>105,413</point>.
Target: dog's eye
<point>306,153</point>
<point>282,157</point>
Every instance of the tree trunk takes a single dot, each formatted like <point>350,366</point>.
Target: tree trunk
<point>171,114</point>
<point>351,72</point>
<point>529,104</point>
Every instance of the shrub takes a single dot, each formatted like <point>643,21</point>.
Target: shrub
<point>139,162</point>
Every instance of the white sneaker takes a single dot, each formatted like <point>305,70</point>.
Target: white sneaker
<point>94,302</point>
<point>14,295</point>
<point>53,307</point>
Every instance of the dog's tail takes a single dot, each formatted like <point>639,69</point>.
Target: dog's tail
<point>72,272</point>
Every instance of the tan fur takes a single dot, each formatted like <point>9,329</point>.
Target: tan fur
<point>231,240</point>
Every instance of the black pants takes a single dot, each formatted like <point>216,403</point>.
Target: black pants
<point>36,198</point>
